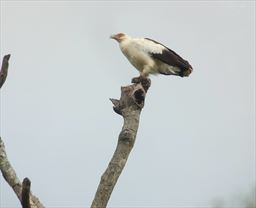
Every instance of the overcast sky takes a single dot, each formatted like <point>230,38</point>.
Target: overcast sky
<point>196,139</point>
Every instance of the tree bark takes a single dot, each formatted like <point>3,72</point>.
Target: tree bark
<point>8,172</point>
<point>129,106</point>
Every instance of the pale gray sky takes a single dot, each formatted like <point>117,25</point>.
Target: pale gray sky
<point>196,140</point>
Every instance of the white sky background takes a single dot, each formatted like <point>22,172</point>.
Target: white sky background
<point>196,140</point>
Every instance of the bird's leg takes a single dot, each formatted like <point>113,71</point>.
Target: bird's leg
<point>137,80</point>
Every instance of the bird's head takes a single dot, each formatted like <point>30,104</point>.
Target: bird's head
<point>119,37</point>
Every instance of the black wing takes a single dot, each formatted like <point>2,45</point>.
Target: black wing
<point>171,58</point>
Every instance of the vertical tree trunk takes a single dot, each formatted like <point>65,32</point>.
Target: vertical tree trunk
<point>129,106</point>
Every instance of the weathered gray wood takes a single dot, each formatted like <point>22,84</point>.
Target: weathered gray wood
<point>8,172</point>
<point>129,106</point>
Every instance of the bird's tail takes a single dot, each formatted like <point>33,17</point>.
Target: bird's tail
<point>186,72</point>
<point>182,72</point>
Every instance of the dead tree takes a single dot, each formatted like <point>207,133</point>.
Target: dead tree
<point>129,106</point>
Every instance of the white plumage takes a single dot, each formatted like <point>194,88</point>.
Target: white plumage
<point>151,57</point>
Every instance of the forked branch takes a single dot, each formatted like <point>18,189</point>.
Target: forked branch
<point>8,172</point>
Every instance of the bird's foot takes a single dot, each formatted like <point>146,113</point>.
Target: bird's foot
<point>145,82</point>
<point>137,80</point>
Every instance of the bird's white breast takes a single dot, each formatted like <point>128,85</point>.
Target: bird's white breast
<point>136,54</point>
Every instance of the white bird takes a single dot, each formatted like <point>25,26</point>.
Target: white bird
<point>151,57</point>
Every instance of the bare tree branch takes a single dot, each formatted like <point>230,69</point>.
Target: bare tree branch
<point>25,193</point>
<point>4,69</point>
<point>12,179</point>
<point>7,170</point>
<point>129,106</point>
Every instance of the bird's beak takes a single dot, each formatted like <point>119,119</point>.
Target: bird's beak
<point>113,37</point>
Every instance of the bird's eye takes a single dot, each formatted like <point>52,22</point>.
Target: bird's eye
<point>119,35</point>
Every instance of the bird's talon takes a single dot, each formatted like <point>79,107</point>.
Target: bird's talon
<point>136,80</point>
